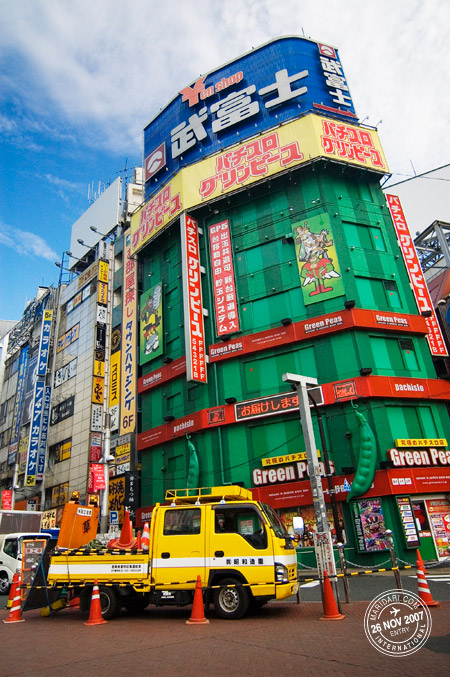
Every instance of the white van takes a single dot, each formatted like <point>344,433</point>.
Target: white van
<point>11,555</point>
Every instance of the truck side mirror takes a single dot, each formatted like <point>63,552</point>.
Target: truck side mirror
<point>299,525</point>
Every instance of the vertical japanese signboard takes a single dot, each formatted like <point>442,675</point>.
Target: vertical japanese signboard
<point>17,411</point>
<point>114,389</point>
<point>129,334</point>
<point>416,276</point>
<point>44,432</point>
<point>35,431</point>
<point>6,499</point>
<point>194,330</point>
<point>227,319</point>
<point>44,343</point>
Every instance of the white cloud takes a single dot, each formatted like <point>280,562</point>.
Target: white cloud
<point>107,68</point>
<point>26,244</point>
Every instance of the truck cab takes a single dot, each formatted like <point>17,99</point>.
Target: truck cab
<point>11,555</point>
<point>238,546</point>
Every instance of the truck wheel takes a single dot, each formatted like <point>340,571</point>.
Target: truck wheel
<point>231,603</point>
<point>4,584</point>
<point>109,601</point>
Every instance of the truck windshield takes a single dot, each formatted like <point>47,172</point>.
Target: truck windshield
<point>274,521</point>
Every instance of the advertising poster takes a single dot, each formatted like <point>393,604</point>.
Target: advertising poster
<point>439,512</point>
<point>317,261</point>
<point>151,324</point>
<point>369,525</point>
<point>309,517</point>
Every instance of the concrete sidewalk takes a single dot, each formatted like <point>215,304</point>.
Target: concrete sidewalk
<point>282,639</point>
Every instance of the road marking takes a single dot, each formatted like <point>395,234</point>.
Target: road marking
<point>437,578</point>
<point>312,584</point>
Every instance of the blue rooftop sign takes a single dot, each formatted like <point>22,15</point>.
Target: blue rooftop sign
<point>279,81</point>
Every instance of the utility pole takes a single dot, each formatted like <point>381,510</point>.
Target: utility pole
<point>322,539</point>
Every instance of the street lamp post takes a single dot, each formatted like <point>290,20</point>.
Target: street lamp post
<point>322,539</point>
<point>326,462</point>
<point>301,383</point>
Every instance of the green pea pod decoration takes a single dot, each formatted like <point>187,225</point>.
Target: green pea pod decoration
<point>367,460</point>
<point>194,467</point>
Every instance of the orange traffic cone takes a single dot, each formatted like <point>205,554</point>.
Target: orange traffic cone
<point>95,611</point>
<point>126,541</point>
<point>15,614</point>
<point>423,589</point>
<point>198,612</point>
<point>146,538</point>
<point>12,593</point>
<point>330,610</point>
<point>138,541</point>
<point>420,562</point>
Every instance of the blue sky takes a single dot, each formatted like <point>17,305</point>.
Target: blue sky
<point>80,80</point>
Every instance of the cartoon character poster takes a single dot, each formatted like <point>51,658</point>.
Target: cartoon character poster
<point>317,260</point>
<point>151,327</point>
<point>372,524</point>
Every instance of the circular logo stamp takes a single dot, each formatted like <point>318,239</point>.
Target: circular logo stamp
<point>397,623</point>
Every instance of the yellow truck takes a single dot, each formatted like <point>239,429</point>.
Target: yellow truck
<point>238,547</point>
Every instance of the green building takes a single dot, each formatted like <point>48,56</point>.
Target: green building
<point>300,271</point>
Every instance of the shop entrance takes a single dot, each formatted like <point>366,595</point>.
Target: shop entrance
<point>427,549</point>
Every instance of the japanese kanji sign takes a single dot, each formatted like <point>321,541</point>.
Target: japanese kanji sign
<point>227,319</point>
<point>416,276</point>
<point>279,81</point>
<point>192,301</point>
<point>35,432</point>
<point>255,160</point>
<point>129,333</point>
<point>44,343</point>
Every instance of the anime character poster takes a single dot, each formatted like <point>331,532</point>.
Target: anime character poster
<point>317,260</point>
<point>151,327</point>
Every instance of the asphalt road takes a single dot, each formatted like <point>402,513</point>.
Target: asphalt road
<point>365,587</point>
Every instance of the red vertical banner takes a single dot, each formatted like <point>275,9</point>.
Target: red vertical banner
<point>416,276</point>
<point>96,479</point>
<point>7,499</point>
<point>194,329</point>
<point>224,287</point>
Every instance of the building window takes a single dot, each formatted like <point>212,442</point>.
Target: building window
<point>378,294</point>
<point>393,355</point>
<point>60,452</point>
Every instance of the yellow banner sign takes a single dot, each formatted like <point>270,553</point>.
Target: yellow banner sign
<point>439,442</point>
<point>102,294</point>
<point>116,497</point>
<point>114,383</point>
<point>276,151</point>
<point>288,458</point>
<point>103,270</point>
<point>97,390</point>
